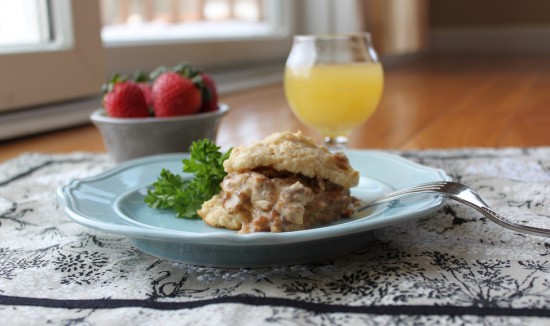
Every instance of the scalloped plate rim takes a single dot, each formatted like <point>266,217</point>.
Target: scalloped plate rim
<point>68,200</point>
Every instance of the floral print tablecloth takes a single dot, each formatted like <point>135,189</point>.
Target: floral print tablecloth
<point>452,268</point>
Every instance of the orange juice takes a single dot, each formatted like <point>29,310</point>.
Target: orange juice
<point>334,99</point>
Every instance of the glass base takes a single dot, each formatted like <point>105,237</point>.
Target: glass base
<point>336,144</point>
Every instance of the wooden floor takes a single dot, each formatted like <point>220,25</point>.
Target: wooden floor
<point>429,102</point>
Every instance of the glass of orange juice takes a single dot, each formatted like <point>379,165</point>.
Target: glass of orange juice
<point>333,83</point>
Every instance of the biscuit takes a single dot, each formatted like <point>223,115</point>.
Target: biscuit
<point>295,153</point>
<point>214,214</point>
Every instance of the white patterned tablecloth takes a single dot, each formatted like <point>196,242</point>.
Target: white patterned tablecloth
<point>452,268</point>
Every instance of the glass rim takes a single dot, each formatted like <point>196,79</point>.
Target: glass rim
<point>332,36</point>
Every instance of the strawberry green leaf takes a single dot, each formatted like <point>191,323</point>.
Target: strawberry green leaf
<point>186,70</point>
<point>157,72</point>
<point>140,76</point>
<point>115,79</point>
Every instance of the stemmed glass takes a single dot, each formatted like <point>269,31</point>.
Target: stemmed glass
<point>333,83</point>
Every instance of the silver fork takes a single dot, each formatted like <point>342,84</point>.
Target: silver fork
<point>464,195</point>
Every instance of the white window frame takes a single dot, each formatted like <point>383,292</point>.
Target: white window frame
<point>71,67</point>
<point>39,25</point>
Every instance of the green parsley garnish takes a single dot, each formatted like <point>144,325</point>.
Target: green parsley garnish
<point>185,196</point>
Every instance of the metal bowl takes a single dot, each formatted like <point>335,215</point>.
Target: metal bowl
<point>128,138</point>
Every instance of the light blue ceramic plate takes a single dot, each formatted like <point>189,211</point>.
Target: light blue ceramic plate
<point>113,202</point>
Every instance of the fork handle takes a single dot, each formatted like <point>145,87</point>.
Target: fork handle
<point>504,222</point>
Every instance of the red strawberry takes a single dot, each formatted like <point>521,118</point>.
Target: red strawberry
<point>203,81</point>
<point>209,94</point>
<point>125,99</point>
<point>143,82</point>
<point>148,92</point>
<point>175,95</point>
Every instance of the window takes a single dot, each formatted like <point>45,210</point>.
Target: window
<point>127,21</point>
<point>60,54</point>
<point>51,59</point>
<point>23,24</point>
<point>63,50</point>
<point>207,33</point>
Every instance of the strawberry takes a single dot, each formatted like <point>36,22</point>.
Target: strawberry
<point>143,82</point>
<point>175,95</point>
<point>124,99</point>
<point>209,94</point>
<point>148,92</point>
<point>203,81</point>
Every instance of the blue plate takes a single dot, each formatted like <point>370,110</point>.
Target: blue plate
<point>113,202</point>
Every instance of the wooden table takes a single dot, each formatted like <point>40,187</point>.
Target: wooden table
<point>428,102</point>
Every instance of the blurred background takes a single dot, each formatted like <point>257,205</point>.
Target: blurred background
<point>55,54</point>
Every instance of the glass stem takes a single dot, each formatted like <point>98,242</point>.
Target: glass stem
<point>336,144</point>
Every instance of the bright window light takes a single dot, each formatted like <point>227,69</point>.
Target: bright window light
<point>161,20</point>
<point>35,26</point>
<point>23,23</point>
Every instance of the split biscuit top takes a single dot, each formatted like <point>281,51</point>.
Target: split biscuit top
<point>295,153</point>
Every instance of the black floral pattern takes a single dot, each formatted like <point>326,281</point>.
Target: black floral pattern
<point>452,268</point>
<point>80,268</point>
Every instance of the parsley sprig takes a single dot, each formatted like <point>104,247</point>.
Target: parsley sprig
<point>185,196</point>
